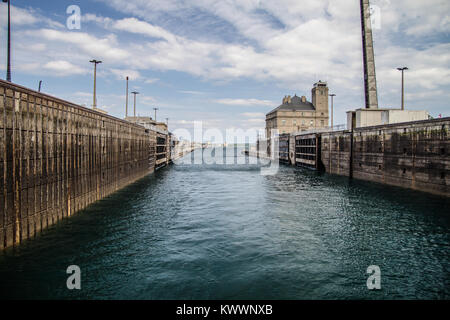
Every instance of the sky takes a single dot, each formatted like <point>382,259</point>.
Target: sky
<point>228,63</point>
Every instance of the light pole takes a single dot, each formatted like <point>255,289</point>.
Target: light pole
<point>8,68</point>
<point>135,94</point>
<point>403,85</point>
<point>167,122</point>
<point>332,107</point>
<point>126,105</point>
<point>95,62</point>
<point>40,84</point>
<point>156,109</point>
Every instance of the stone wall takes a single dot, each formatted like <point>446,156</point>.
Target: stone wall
<point>336,152</point>
<point>56,158</point>
<point>412,155</point>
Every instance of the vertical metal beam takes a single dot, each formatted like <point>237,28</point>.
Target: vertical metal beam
<point>8,67</point>
<point>95,85</point>
<point>403,89</point>
<point>3,242</point>
<point>370,81</point>
<point>126,105</point>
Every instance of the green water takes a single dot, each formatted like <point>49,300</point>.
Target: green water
<point>227,232</point>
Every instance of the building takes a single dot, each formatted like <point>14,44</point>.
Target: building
<point>149,123</point>
<point>361,118</point>
<point>297,114</point>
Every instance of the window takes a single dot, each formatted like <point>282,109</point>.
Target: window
<point>295,122</point>
<point>312,122</point>
<point>322,123</point>
<point>303,122</point>
<point>283,122</point>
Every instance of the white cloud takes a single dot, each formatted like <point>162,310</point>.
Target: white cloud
<point>102,21</point>
<point>152,80</point>
<point>122,74</point>
<point>257,120</point>
<point>288,43</point>
<point>136,26</point>
<point>191,92</point>
<point>103,48</point>
<point>25,17</point>
<point>244,102</point>
<point>64,68</point>
<point>147,100</point>
<point>83,94</point>
<point>253,114</point>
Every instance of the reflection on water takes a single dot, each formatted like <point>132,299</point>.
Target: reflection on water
<point>227,232</point>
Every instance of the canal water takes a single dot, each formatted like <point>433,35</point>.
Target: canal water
<point>228,232</point>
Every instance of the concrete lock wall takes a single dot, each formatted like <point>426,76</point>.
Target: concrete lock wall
<point>336,152</point>
<point>412,155</point>
<point>56,158</point>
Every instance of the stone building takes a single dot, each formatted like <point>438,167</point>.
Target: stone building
<point>297,114</point>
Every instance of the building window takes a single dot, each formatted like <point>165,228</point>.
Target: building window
<point>322,123</point>
<point>283,122</point>
<point>312,122</point>
<point>295,122</point>
<point>303,122</point>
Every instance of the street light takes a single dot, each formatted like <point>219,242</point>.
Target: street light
<point>403,85</point>
<point>95,62</point>
<point>167,122</point>
<point>156,109</point>
<point>8,68</point>
<point>126,105</point>
<point>332,107</point>
<point>135,93</point>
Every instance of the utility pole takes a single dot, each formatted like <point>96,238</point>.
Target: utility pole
<point>95,62</point>
<point>370,79</point>
<point>156,109</point>
<point>135,93</point>
<point>332,107</point>
<point>126,105</point>
<point>403,85</point>
<point>8,68</point>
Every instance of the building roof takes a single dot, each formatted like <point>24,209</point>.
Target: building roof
<point>296,105</point>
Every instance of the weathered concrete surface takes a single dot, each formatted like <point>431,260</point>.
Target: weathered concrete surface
<point>412,155</point>
<point>56,158</point>
<point>370,79</point>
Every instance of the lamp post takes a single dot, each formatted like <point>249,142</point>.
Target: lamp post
<point>40,84</point>
<point>403,85</point>
<point>126,104</point>
<point>8,68</point>
<point>156,109</point>
<point>167,122</point>
<point>135,94</point>
<point>332,107</point>
<point>95,62</point>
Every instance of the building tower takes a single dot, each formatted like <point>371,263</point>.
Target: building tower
<point>370,79</point>
<point>320,98</point>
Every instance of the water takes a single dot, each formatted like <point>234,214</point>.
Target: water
<point>214,232</point>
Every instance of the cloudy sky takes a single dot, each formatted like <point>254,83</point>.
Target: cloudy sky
<point>228,63</point>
